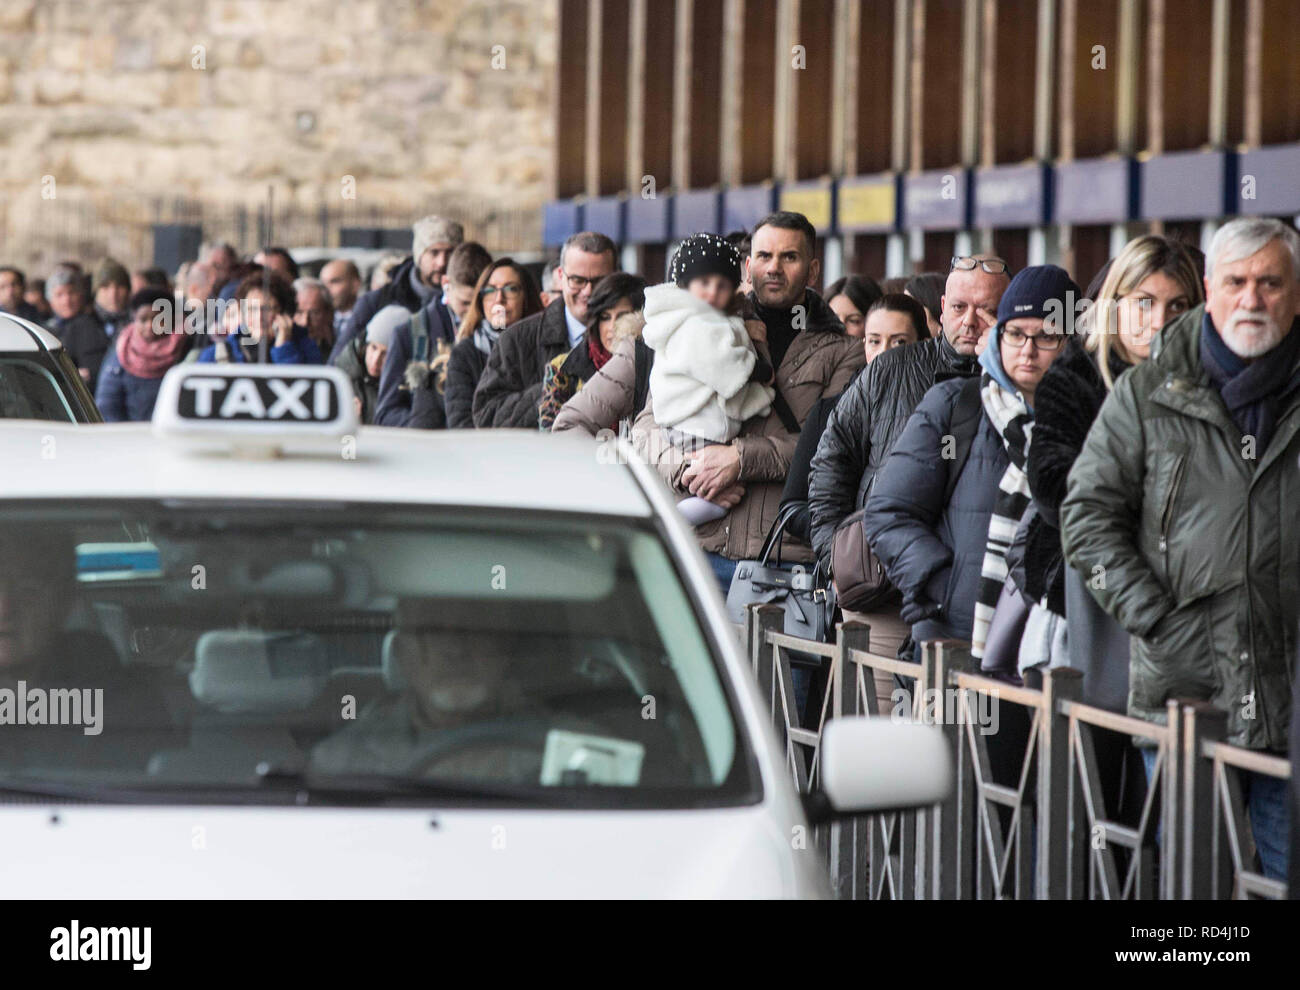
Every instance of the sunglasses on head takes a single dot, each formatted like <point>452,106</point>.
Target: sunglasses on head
<point>994,266</point>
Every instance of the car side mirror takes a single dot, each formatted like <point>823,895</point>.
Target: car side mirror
<point>873,764</point>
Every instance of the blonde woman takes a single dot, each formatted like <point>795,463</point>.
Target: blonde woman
<point>1152,281</point>
<point>1149,283</point>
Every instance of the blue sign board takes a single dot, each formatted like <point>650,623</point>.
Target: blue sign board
<point>1187,185</point>
<point>1268,181</point>
<point>696,210</point>
<point>647,220</point>
<point>604,215</point>
<point>745,206</point>
<point>560,218</point>
<point>937,200</point>
<point>1013,196</point>
<point>1096,191</point>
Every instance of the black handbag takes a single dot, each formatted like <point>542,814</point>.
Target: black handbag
<point>804,592</point>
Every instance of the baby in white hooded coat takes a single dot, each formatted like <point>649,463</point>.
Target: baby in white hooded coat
<point>707,378</point>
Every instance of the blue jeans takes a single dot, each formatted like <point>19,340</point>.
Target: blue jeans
<point>1270,816</point>
<point>723,569</point>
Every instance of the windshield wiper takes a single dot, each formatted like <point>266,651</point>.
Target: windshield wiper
<point>30,787</point>
<point>328,788</point>
<point>379,786</point>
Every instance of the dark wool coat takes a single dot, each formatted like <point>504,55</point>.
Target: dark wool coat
<point>510,390</point>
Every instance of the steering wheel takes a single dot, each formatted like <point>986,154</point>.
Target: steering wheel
<point>520,733</point>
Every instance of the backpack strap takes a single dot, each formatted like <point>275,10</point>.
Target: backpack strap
<point>419,335</point>
<point>965,423</point>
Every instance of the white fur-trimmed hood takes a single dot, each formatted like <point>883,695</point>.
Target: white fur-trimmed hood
<point>703,359</point>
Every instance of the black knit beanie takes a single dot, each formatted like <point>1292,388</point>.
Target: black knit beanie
<point>704,254</point>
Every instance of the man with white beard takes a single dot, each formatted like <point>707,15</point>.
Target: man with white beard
<point>1183,510</point>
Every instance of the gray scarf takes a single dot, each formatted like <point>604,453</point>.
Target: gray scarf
<point>485,337</point>
<point>425,292</point>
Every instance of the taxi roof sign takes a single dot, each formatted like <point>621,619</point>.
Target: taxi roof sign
<point>255,406</point>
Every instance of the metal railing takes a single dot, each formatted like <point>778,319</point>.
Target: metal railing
<point>1044,833</point>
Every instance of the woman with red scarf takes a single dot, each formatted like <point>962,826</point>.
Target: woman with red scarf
<point>611,297</point>
<point>140,355</point>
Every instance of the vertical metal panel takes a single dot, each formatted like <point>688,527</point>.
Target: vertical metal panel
<point>901,102</point>
<point>844,88</point>
<point>591,135</point>
<point>1253,126</point>
<point>1063,684</point>
<point>1201,723</point>
<point>1155,66</point>
<point>1218,108</point>
<point>733,122</point>
<point>1126,84</point>
<point>785,166</point>
<point>1068,60</point>
<point>681,134</point>
<point>1044,77</point>
<point>989,117</point>
<point>971,80</point>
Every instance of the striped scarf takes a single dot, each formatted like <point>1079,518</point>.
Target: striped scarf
<point>1014,423</point>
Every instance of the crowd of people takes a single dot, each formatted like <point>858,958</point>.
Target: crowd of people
<point>1107,485</point>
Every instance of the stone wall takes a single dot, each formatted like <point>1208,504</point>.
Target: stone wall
<point>118,113</point>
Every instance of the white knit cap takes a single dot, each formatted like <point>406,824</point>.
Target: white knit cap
<point>384,324</point>
<point>432,230</point>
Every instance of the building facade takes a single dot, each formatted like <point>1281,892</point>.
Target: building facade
<point>909,130</point>
<point>287,119</point>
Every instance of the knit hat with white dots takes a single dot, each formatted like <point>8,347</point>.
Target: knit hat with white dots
<point>704,254</point>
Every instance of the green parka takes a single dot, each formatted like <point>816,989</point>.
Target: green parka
<point>1191,541</point>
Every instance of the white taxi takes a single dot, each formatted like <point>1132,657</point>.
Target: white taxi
<point>252,650</point>
<point>37,377</point>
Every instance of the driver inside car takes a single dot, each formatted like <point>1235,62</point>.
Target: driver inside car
<point>456,681</point>
<point>124,711</point>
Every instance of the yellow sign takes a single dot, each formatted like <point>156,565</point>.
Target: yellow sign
<point>868,205</point>
<point>815,204</point>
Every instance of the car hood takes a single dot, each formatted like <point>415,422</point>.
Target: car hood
<point>132,851</point>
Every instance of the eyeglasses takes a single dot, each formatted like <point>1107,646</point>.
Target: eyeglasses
<point>1042,341</point>
<point>511,291</point>
<point>994,266</point>
<point>577,283</point>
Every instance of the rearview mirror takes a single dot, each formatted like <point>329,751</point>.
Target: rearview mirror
<point>871,764</point>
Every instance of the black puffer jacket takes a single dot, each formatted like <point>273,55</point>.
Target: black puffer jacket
<point>866,423</point>
<point>1065,404</point>
<point>464,369</point>
<point>932,546</point>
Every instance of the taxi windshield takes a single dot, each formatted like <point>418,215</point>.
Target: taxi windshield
<point>354,653</point>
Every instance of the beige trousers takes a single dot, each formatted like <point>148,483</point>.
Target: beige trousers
<point>887,634</point>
